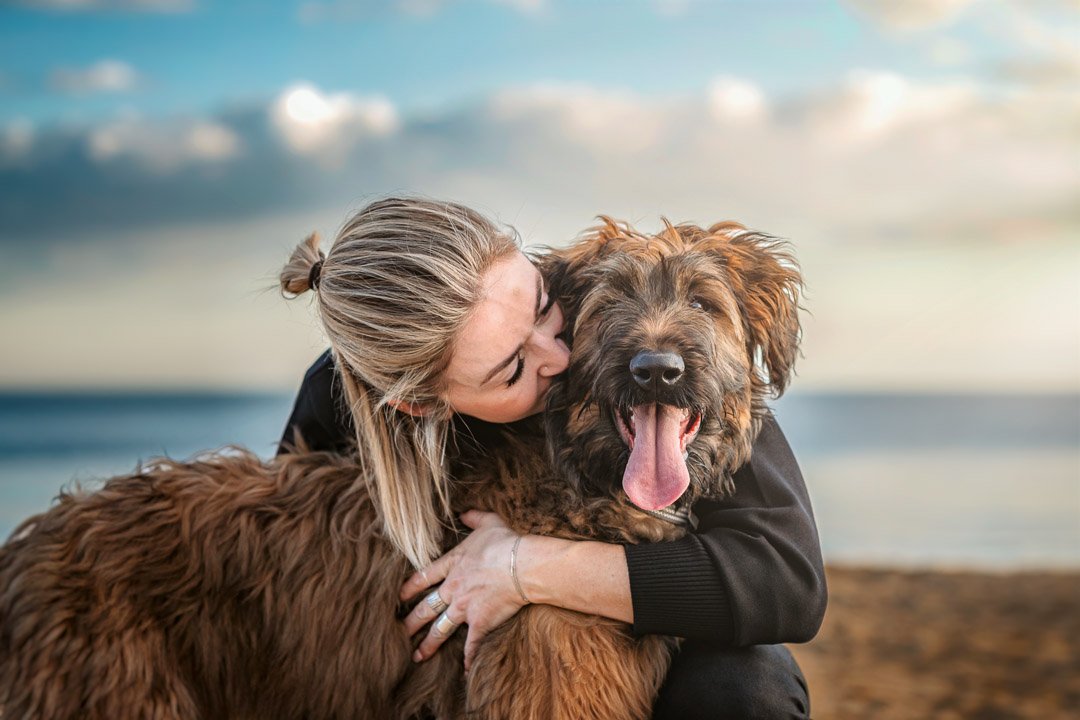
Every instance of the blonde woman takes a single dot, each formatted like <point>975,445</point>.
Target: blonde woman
<point>439,324</point>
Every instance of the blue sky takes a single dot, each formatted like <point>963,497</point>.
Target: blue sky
<point>217,53</point>
<point>159,157</point>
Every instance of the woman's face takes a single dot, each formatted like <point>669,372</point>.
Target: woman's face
<point>507,353</point>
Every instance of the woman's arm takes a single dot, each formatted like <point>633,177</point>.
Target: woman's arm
<point>752,573</point>
<point>474,579</point>
<point>590,577</point>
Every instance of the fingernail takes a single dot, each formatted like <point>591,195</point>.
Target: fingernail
<point>417,656</point>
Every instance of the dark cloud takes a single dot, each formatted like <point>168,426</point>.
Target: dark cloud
<point>58,190</point>
<point>879,151</point>
<point>65,185</point>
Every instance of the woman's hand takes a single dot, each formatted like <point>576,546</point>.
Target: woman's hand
<point>475,583</point>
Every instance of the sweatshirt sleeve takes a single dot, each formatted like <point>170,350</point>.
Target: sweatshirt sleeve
<point>751,573</point>
<point>319,414</point>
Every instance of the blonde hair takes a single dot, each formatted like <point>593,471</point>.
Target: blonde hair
<point>400,280</point>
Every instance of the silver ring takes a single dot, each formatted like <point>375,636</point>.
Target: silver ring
<point>444,626</point>
<point>435,602</point>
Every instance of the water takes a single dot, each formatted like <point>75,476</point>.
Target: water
<point>50,441</point>
<point>988,481</point>
<point>975,481</point>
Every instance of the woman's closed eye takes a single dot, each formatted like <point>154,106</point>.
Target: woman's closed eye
<point>518,371</point>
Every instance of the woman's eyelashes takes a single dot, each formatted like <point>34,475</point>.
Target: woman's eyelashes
<point>520,369</point>
<point>518,372</point>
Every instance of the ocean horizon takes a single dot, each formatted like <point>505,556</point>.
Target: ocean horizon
<point>973,481</point>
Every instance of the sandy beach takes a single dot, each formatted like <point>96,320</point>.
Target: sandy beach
<point>946,645</point>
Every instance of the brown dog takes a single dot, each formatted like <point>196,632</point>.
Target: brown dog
<point>228,587</point>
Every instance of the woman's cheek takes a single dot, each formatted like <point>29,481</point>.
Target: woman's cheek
<point>537,395</point>
<point>528,399</point>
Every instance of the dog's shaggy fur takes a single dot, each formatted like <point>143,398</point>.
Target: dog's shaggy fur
<point>229,587</point>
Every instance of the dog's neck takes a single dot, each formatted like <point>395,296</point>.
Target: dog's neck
<point>680,515</point>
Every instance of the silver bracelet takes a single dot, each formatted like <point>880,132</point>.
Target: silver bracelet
<point>513,570</point>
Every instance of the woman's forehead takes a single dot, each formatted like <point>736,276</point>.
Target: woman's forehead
<point>502,320</point>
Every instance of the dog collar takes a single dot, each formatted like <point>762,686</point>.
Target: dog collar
<point>684,516</point>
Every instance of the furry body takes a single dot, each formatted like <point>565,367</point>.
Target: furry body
<point>228,587</point>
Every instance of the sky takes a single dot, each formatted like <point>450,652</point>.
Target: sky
<point>160,158</point>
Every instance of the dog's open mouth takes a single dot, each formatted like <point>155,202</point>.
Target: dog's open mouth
<point>657,435</point>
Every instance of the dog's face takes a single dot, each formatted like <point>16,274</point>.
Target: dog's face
<point>676,341</point>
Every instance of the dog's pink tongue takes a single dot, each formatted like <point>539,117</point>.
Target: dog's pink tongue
<point>656,475</point>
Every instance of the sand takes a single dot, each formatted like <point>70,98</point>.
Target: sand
<point>946,645</point>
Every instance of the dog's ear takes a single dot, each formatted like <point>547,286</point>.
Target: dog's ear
<point>566,270</point>
<point>767,284</point>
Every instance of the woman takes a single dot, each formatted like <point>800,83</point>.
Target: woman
<point>439,324</point>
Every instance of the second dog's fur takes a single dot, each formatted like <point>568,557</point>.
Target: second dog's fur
<point>229,587</point>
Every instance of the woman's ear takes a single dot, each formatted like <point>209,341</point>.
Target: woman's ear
<point>409,408</point>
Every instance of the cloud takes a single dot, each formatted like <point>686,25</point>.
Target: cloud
<point>525,6</point>
<point>162,147</point>
<point>1060,70</point>
<point>734,99</point>
<point>16,141</point>
<point>1049,54</point>
<point>905,15</point>
<point>870,105</point>
<point>329,125</point>
<point>134,172</point>
<point>594,119</point>
<point>936,221</point>
<point>161,6</point>
<point>315,11</point>
<point>947,51</point>
<point>105,76</point>
<point>878,157</point>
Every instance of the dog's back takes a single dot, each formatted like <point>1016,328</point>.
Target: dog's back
<point>222,587</point>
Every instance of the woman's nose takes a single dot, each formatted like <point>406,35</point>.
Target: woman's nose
<point>556,356</point>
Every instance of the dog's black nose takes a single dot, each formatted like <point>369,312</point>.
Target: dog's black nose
<point>656,370</point>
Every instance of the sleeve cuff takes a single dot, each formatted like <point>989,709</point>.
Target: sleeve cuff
<point>676,590</point>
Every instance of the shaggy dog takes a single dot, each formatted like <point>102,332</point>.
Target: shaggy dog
<point>230,587</point>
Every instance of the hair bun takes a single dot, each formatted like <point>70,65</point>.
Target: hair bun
<point>315,273</point>
<point>301,273</point>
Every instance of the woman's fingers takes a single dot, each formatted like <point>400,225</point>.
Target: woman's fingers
<point>424,612</point>
<point>472,641</point>
<point>433,574</point>
<point>438,570</point>
<point>441,630</point>
<point>477,519</point>
<point>475,584</point>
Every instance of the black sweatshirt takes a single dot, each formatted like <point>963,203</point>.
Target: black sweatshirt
<point>751,573</point>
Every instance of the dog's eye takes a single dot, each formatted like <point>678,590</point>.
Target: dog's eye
<point>696,304</point>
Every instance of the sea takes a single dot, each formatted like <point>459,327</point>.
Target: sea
<point>942,481</point>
